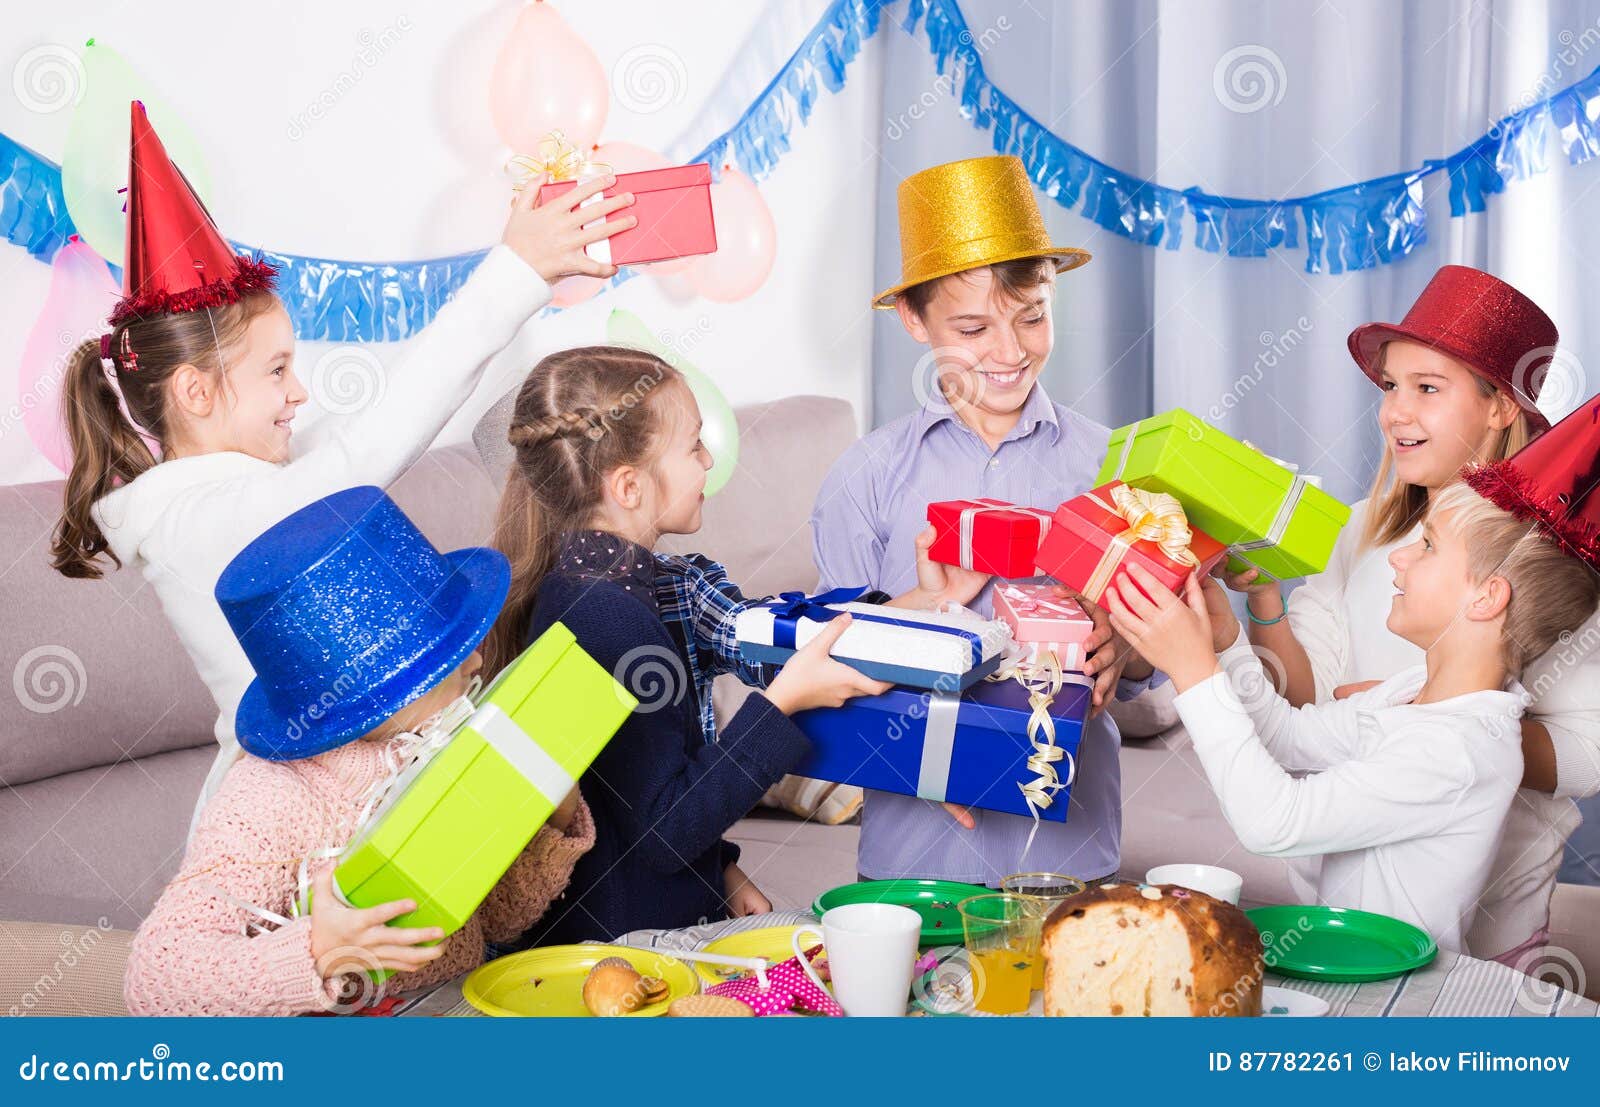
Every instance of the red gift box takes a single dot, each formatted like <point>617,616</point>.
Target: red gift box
<point>673,207</point>
<point>991,536</point>
<point>1089,543</point>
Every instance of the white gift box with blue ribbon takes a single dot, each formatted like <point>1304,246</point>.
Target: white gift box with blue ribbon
<point>920,649</point>
<point>972,748</point>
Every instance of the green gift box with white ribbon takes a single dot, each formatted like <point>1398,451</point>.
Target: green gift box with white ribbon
<point>453,822</point>
<point>1269,515</point>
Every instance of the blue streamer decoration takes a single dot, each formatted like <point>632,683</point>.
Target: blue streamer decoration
<point>1356,226</point>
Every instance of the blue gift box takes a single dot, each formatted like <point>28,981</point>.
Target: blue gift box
<point>970,748</point>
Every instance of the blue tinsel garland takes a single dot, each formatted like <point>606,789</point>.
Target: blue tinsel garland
<point>1356,226</point>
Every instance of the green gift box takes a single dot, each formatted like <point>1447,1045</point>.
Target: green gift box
<point>456,821</point>
<point>1268,515</point>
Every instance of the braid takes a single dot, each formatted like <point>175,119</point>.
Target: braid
<point>587,422</point>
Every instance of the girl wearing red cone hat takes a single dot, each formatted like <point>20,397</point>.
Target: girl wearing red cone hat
<point>1460,376</point>
<point>181,416</point>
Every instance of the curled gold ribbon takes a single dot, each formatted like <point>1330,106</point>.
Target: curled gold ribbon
<point>556,157</point>
<point>1043,679</point>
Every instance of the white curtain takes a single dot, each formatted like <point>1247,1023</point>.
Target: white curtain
<point>1259,99</point>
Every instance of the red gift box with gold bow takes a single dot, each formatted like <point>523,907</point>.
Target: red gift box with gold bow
<point>991,536</point>
<point>1096,535</point>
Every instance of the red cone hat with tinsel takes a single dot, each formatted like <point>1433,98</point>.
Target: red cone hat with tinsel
<point>177,260</point>
<point>1551,482</point>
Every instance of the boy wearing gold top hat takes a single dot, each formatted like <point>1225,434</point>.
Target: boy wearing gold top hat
<point>978,272</point>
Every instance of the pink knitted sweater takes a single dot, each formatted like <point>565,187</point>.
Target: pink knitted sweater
<point>192,955</point>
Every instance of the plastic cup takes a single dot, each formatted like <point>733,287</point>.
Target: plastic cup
<point>1002,939</point>
<point>1049,889</point>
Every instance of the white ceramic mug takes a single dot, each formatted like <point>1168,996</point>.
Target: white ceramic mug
<point>1223,884</point>
<point>872,952</point>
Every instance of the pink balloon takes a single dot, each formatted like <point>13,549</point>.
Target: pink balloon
<point>747,241</point>
<point>545,79</point>
<point>569,291</point>
<point>80,297</point>
<point>626,157</point>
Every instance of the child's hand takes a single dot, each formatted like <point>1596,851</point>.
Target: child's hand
<point>358,939</point>
<point>743,897</point>
<point>562,817</point>
<point>813,679</point>
<point>1264,597</point>
<point>938,582</point>
<point>1173,635</point>
<point>551,237</point>
<point>1224,623</point>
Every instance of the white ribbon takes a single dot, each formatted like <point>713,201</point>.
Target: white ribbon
<point>969,524</point>
<point>938,745</point>
<point>522,753</point>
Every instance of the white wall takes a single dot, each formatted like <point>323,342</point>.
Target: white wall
<point>404,164</point>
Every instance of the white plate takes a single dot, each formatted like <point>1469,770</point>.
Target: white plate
<point>1287,1003</point>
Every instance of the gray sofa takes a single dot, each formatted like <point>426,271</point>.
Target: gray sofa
<point>107,733</point>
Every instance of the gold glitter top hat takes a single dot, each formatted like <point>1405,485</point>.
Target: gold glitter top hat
<point>967,214</point>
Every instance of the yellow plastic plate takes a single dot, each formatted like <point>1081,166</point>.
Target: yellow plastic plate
<point>771,942</point>
<point>548,982</point>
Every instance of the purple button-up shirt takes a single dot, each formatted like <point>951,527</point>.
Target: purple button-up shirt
<point>872,506</point>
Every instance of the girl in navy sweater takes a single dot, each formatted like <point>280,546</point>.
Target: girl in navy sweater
<point>608,459</point>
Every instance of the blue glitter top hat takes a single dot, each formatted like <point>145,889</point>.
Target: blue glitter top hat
<point>348,614</point>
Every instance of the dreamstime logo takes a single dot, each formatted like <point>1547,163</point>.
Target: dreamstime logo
<point>654,675</point>
<point>1249,78</point>
<point>357,985</point>
<point>74,948</point>
<point>1551,970</point>
<point>1554,375</point>
<point>48,678</point>
<point>1276,348</point>
<point>347,379</point>
<point>946,374</point>
<point>954,986</point>
<point>371,47</point>
<point>1255,685</point>
<point>943,87</point>
<point>648,78</point>
<point>48,78</point>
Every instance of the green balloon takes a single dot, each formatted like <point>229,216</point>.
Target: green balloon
<point>719,429</point>
<point>94,165</point>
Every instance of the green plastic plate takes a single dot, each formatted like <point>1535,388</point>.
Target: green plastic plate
<point>1337,943</point>
<point>934,900</point>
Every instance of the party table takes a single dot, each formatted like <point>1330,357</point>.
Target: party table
<point>1451,986</point>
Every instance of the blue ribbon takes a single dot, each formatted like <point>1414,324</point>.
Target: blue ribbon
<point>794,606</point>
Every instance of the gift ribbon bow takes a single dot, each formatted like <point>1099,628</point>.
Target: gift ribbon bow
<point>1151,517</point>
<point>1032,603</point>
<point>791,607</point>
<point>1043,679</point>
<point>968,525</point>
<point>554,157</point>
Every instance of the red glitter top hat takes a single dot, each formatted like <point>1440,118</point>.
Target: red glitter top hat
<point>1477,319</point>
<point>1551,482</point>
<point>177,260</point>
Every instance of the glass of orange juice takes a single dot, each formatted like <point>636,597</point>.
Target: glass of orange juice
<point>1049,889</point>
<point>1002,938</point>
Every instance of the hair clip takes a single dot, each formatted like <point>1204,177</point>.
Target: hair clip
<point>105,347</point>
<point>130,360</point>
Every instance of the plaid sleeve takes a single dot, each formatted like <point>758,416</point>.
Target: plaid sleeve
<point>707,603</point>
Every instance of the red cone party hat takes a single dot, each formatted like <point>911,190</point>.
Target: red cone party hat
<point>1551,482</point>
<point>177,259</point>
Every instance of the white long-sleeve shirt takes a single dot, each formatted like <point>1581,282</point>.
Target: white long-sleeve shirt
<point>1405,801</point>
<point>183,520</point>
<point>1340,615</point>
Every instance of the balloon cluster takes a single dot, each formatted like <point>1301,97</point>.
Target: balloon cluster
<point>546,78</point>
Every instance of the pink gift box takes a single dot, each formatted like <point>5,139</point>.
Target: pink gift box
<point>1040,619</point>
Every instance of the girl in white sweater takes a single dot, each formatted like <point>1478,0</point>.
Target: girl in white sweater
<point>204,365</point>
<point>1409,781</point>
<point>1459,379</point>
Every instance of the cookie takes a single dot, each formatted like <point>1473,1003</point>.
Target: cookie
<point>708,1007</point>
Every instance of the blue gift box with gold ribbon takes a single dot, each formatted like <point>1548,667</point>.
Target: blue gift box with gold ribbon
<point>987,747</point>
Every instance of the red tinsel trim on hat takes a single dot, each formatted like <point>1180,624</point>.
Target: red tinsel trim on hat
<point>252,276</point>
<point>1506,486</point>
